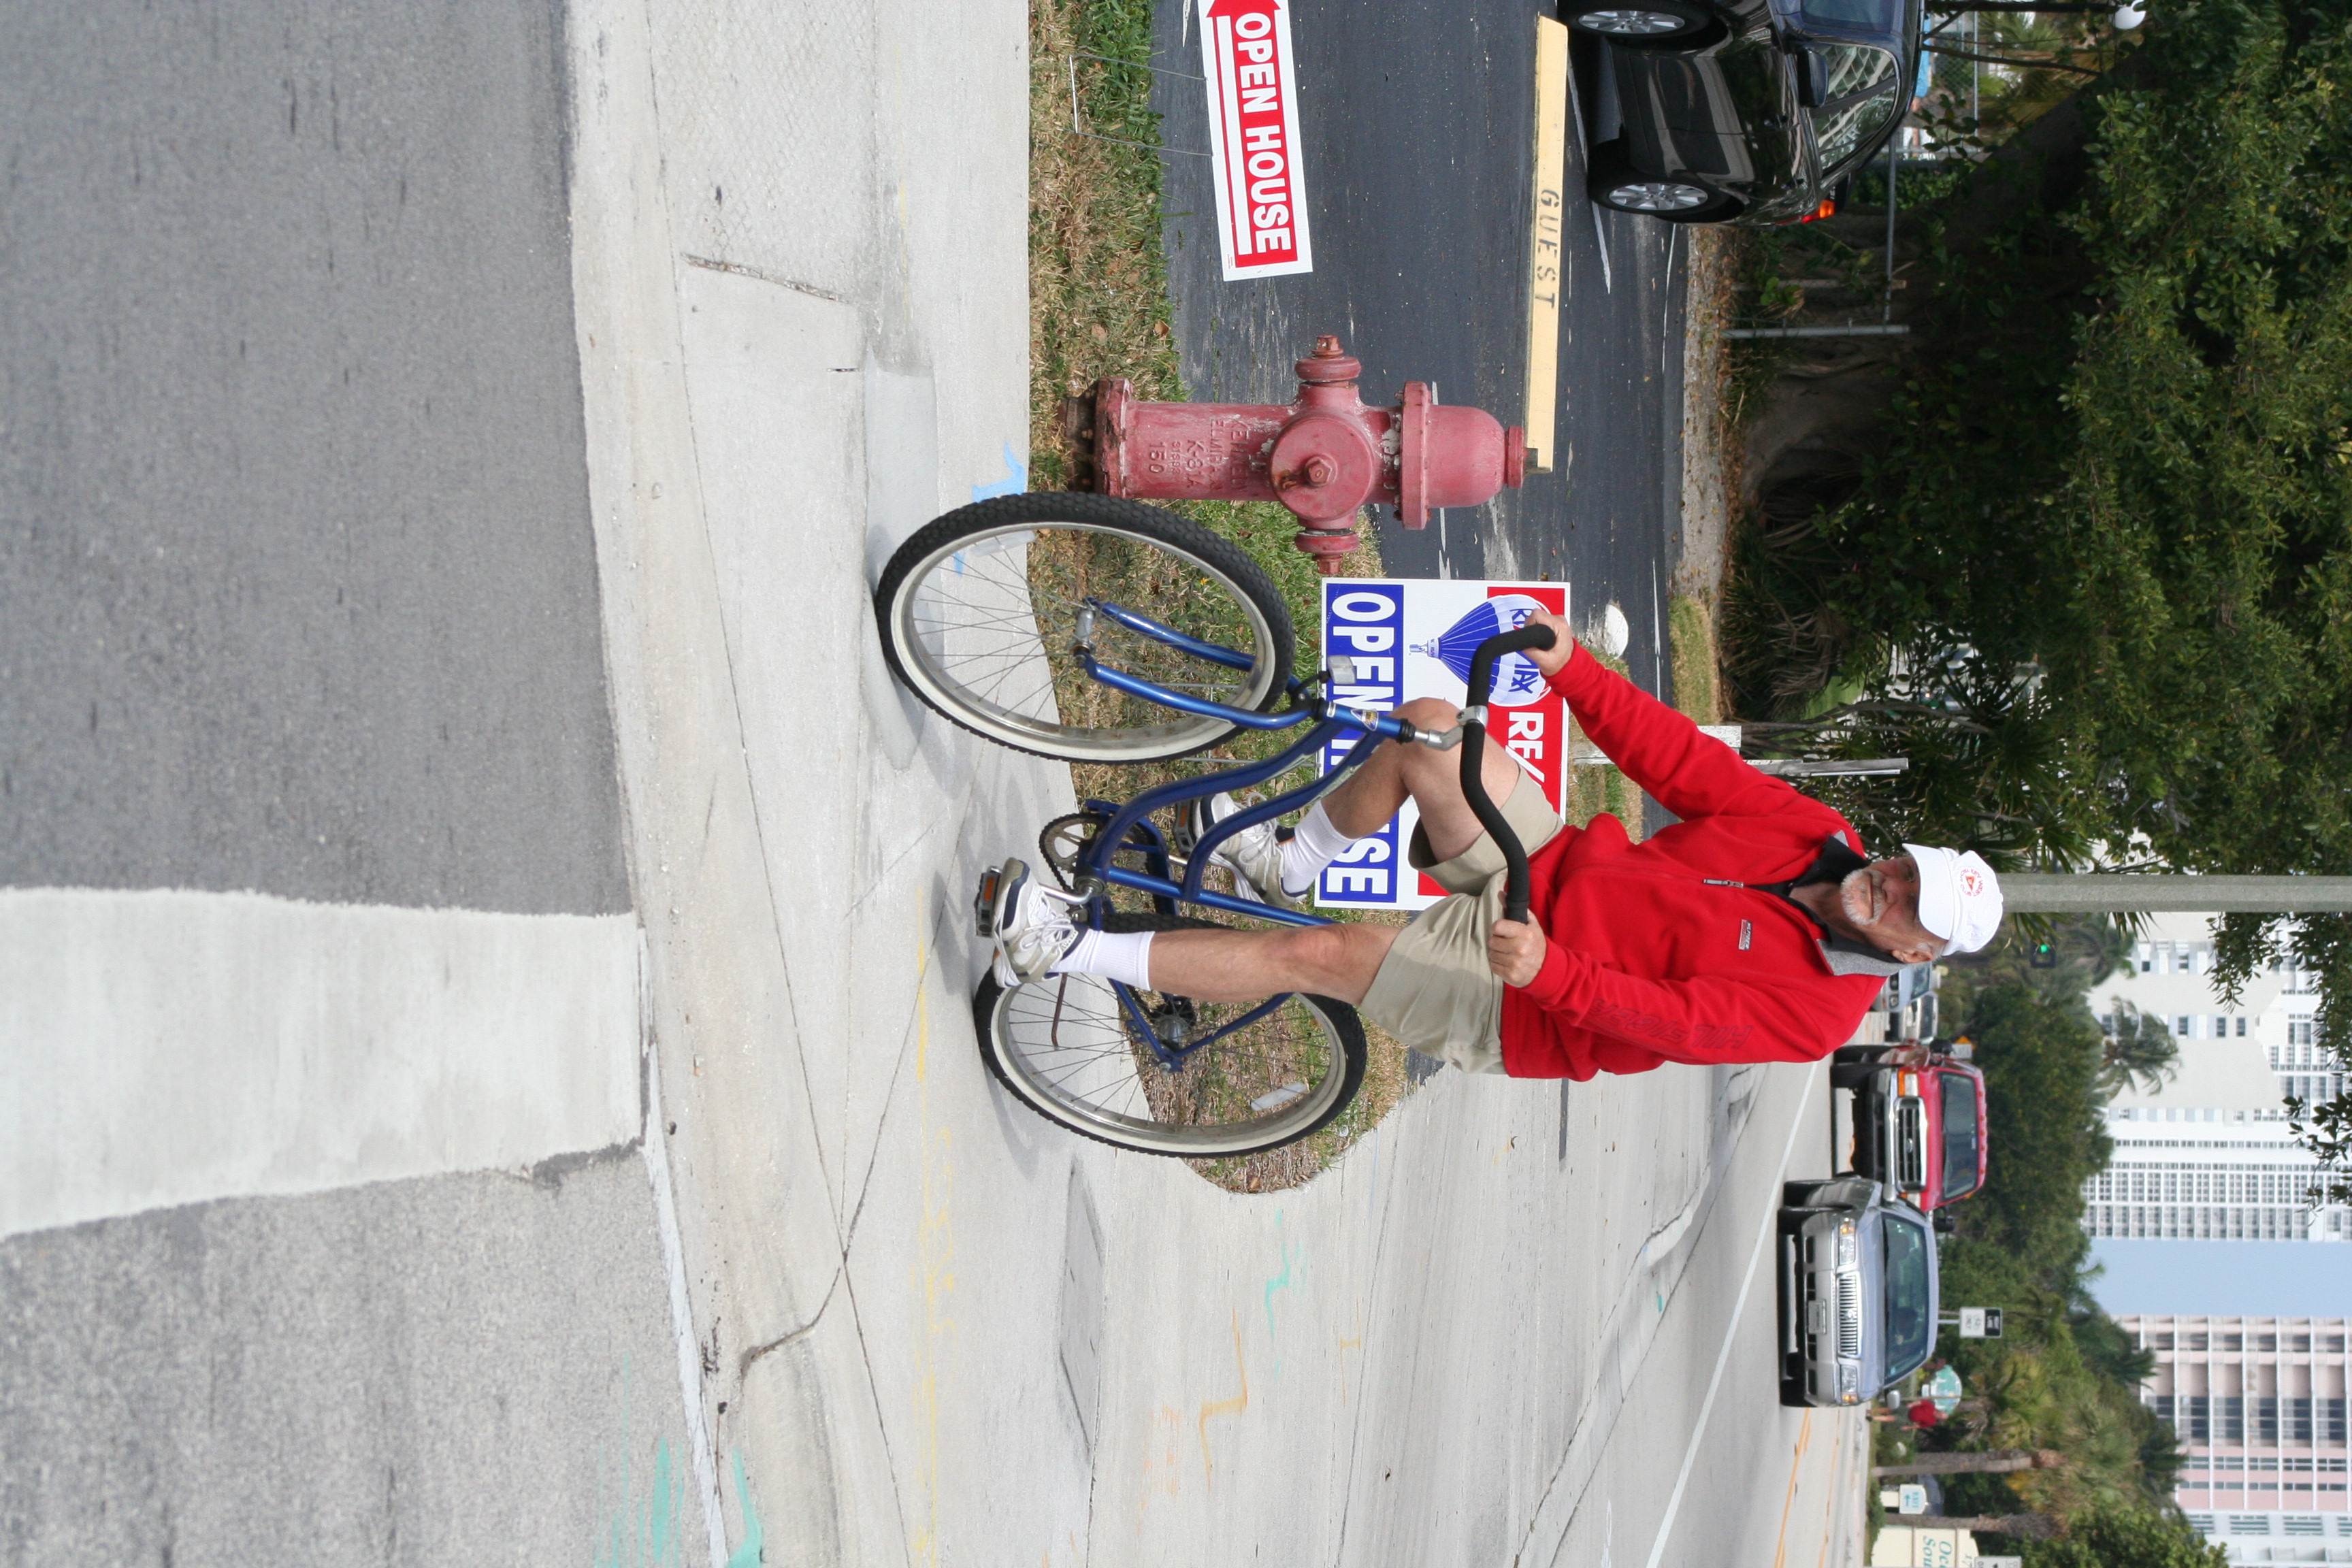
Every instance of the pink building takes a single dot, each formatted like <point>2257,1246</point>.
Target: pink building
<point>2259,1403</point>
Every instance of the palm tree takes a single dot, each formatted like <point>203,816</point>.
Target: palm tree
<point>2140,1053</point>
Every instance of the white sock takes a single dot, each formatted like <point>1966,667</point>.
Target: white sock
<point>1312,847</point>
<point>1121,956</point>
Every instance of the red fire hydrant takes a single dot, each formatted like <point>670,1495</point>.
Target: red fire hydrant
<point>1323,457</point>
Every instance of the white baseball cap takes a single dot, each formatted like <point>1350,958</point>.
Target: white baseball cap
<point>1960,898</point>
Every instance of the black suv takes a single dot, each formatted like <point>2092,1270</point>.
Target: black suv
<point>1743,111</point>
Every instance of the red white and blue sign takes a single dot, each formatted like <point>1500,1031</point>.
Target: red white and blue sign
<point>1411,638</point>
<point>1253,137</point>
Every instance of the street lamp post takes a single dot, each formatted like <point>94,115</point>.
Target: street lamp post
<point>2095,893</point>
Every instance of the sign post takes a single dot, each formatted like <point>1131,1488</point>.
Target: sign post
<point>1254,139</point>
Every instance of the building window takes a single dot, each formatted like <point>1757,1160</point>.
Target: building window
<point>2221,1027</point>
<point>2181,1026</point>
<point>2242,1026</point>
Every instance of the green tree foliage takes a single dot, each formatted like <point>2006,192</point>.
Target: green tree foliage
<point>2140,1054</point>
<point>2125,1538</point>
<point>2099,567</point>
<point>2046,1132</point>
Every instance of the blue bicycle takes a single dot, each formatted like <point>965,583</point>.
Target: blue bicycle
<point>1100,630</point>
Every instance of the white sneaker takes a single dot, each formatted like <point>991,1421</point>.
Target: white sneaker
<point>1028,921</point>
<point>1253,855</point>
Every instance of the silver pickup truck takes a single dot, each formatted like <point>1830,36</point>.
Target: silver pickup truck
<point>1857,1291</point>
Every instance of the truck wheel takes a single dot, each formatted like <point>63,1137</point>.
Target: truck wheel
<point>1854,1075</point>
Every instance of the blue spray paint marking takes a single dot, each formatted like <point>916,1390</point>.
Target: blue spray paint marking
<point>752,1552</point>
<point>645,1531</point>
<point>1016,479</point>
<point>1279,1282</point>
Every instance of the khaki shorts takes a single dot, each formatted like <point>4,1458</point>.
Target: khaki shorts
<point>1435,990</point>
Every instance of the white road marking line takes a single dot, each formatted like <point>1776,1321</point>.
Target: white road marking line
<point>656,1149</point>
<point>168,1047</point>
<point>1731,1331</point>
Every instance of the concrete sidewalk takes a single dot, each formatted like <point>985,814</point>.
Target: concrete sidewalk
<point>801,280</point>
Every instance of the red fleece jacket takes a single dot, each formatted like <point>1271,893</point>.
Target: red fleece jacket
<point>1646,962</point>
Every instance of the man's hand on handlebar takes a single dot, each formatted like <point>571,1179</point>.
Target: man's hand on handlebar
<point>1515,950</point>
<point>1553,660</point>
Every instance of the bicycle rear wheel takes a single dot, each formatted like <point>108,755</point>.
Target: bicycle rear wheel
<point>979,611</point>
<point>1067,1049</point>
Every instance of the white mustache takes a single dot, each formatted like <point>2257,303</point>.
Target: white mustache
<point>1858,885</point>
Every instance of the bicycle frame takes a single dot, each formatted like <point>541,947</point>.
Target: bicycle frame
<point>1096,870</point>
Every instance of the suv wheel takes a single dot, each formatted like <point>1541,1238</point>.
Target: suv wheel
<point>1645,24</point>
<point>1666,198</point>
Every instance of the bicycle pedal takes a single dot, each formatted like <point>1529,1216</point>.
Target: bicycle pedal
<point>983,903</point>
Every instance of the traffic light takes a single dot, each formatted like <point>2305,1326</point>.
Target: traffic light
<point>2045,956</point>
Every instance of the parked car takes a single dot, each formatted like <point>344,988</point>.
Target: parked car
<point>1743,111</point>
<point>1909,1003</point>
<point>1858,1291</point>
<point>1919,1124</point>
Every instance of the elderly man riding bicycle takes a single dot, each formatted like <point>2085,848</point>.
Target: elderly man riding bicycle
<point>1754,929</point>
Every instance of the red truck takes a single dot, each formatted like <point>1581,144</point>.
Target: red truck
<point>1918,1118</point>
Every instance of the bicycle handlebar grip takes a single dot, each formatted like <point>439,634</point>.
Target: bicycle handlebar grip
<point>1474,760</point>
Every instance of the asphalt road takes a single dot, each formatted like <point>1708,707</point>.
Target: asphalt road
<point>299,599</point>
<point>1417,124</point>
<point>294,535</point>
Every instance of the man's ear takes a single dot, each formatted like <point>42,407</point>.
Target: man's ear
<point>1912,955</point>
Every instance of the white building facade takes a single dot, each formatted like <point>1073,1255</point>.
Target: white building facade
<point>2260,1406</point>
<point>2207,1155</point>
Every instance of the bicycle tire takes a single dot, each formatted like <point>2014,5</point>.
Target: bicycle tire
<point>1026,1072</point>
<point>977,643</point>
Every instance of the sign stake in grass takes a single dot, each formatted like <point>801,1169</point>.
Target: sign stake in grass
<point>1543,241</point>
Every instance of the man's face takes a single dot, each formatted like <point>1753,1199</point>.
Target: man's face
<point>1880,906</point>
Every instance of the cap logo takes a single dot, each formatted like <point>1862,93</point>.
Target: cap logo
<point>1972,884</point>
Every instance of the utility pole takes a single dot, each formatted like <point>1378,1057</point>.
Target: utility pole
<point>2038,1526</point>
<point>1994,1461</point>
<point>2095,893</point>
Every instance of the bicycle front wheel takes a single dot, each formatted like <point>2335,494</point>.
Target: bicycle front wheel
<point>1068,1050</point>
<point>979,611</point>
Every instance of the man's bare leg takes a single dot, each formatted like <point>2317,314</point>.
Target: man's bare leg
<point>1339,961</point>
<point>1366,799</point>
<point>1335,961</point>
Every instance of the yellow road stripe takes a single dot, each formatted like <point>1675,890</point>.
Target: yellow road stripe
<point>1543,242</point>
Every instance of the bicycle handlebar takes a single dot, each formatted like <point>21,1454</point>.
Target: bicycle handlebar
<point>1474,758</point>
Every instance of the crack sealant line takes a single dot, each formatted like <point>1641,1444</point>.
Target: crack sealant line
<point>681,1309</point>
<point>1731,1330</point>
